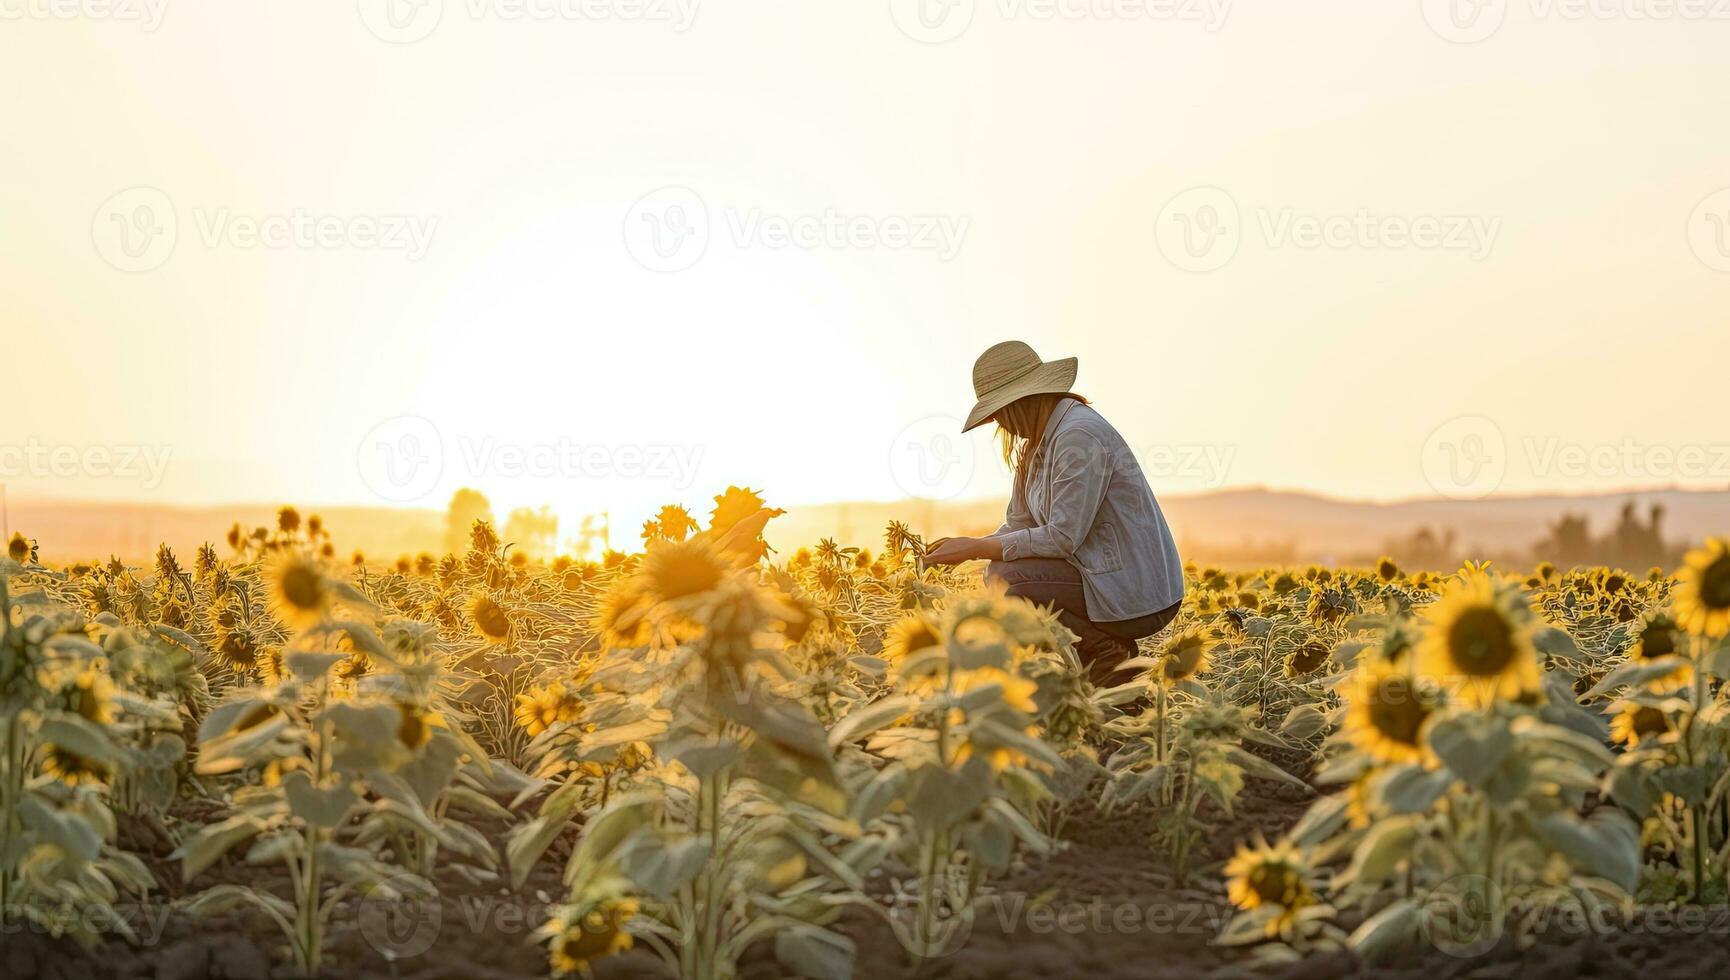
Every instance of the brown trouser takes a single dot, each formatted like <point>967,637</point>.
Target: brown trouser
<point>1056,584</point>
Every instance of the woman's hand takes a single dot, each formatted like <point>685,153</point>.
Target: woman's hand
<point>954,551</point>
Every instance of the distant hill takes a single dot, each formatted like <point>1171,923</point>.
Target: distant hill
<point>1228,526</point>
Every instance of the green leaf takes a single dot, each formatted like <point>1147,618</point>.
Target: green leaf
<point>870,719</point>
<point>1606,844</point>
<point>1636,673</point>
<point>1378,855</point>
<point>1413,789</point>
<point>660,864</point>
<point>1389,932</point>
<point>211,842</point>
<point>325,806</point>
<point>814,952</point>
<point>1471,745</point>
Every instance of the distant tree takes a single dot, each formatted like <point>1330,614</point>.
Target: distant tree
<point>533,530</point>
<point>467,506</point>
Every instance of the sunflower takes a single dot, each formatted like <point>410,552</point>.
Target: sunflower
<point>1658,640</point>
<point>622,618</point>
<point>1638,722</point>
<point>1269,876</point>
<point>1387,710</point>
<point>915,632</point>
<point>1331,606</point>
<point>733,506</point>
<point>415,728</point>
<point>1703,590</point>
<point>1387,570</point>
<point>543,707</point>
<point>91,696</point>
<point>301,591</point>
<point>21,549</point>
<point>1187,654</point>
<point>1018,691</point>
<point>490,618</point>
<point>238,650</point>
<point>1480,635</point>
<point>600,933</point>
<point>1307,659</point>
<point>677,569</point>
<point>70,767</point>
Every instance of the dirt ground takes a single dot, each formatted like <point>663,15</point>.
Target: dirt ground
<point>1105,905</point>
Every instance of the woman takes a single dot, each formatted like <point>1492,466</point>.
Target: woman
<point>1083,533</point>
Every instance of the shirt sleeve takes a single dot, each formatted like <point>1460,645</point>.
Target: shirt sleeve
<point>1080,469</point>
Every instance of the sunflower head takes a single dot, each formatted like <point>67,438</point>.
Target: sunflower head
<point>1269,876</point>
<point>288,520</point>
<point>1387,711</point>
<point>70,767</point>
<point>733,506</point>
<point>415,725</point>
<point>1479,636</point>
<point>600,933</point>
<point>300,588</point>
<point>1636,722</point>
<point>21,549</point>
<point>490,618</point>
<point>913,633</point>
<point>1387,570</point>
<point>677,569</point>
<point>90,695</point>
<point>622,617</point>
<point>1307,659</point>
<point>238,649</point>
<point>1187,654</point>
<point>1703,590</point>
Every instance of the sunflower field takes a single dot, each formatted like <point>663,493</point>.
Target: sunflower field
<point>709,760</point>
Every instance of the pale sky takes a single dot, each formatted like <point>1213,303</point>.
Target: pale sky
<point>603,254</point>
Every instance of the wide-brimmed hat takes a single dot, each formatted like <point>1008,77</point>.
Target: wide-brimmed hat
<point>1012,370</point>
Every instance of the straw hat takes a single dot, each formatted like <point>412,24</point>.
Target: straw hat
<point>1012,370</point>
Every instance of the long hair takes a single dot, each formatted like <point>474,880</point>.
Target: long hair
<point>1021,423</point>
